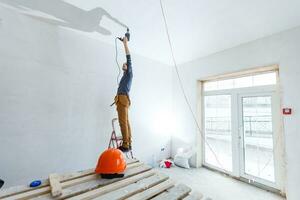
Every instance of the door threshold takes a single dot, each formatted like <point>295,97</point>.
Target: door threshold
<point>249,182</point>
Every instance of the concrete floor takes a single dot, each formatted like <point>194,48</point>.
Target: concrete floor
<point>217,186</point>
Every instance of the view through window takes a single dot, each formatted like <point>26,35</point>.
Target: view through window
<point>218,131</point>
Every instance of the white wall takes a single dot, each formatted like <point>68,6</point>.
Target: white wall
<point>56,86</point>
<point>282,49</point>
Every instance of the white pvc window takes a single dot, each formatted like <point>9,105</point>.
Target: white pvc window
<point>240,121</point>
<point>269,78</point>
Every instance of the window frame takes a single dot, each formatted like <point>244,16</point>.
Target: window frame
<point>234,92</point>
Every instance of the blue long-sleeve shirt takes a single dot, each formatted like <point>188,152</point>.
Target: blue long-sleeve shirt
<point>126,80</point>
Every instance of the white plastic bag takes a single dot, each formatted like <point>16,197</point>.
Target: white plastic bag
<point>181,161</point>
<point>182,157</point>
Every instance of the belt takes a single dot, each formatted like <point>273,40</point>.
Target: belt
<point>120,94</point>
<point>123,94</point>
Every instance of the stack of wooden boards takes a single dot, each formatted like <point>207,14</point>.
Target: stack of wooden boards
<point>140,182</point>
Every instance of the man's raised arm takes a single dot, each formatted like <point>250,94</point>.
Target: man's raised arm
<point>128,57</point>
<point>125,42</point>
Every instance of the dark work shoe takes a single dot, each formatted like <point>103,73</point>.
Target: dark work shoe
<point>1,183</point>
<point>124,149</point>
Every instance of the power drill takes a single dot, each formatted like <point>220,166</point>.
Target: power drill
<point>127,34</point>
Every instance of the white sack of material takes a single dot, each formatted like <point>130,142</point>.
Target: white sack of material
<point>182,157</point>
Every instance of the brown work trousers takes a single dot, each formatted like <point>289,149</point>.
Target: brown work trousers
<point>123,103</point>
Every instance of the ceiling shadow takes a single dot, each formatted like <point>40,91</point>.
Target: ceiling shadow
<point>65,14</point>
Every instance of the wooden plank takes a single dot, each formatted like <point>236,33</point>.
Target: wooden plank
<point>178,192</point>
<point>134,165</point>
<point>64,177</point>
<point>29,194</point>
<point>25,188</point>
<point>56,188</point>
<point>132,189</point>
<point>195,196</point>
<point>114,186</point>
<point>151,192</point>
<point>91,184</point>
<point>45,190</point>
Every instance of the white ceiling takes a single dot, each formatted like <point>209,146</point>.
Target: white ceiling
<point>197,27</point>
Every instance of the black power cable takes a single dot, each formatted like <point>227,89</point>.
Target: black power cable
<point>183,90</point>
<point>119,68</point>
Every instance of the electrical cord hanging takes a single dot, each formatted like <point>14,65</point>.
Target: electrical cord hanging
<point>182,88</point>
<point>190,107</point>
<point>118,65</point>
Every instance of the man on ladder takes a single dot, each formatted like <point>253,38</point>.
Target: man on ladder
<point>122,100</point>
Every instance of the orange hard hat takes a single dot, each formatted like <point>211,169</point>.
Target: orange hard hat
<point>111,161</point>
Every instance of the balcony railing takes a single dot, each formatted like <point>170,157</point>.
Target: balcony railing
<point>254,126</point>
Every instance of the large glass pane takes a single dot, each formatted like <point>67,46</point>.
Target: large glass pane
<point>264,79</point>
<point>242,82</point>
<point>210,86</point>
<point>218,149</point>
<point>258,137</point>
<point>225,84</point>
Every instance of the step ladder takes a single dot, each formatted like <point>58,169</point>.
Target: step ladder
<point>117,140</point>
